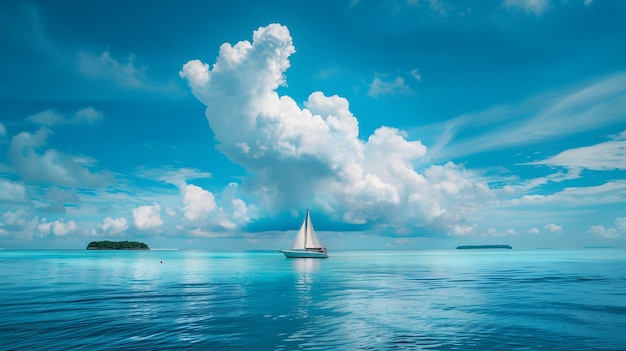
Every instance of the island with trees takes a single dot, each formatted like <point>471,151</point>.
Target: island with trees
<point>467,247</point>
<point>117,245</point>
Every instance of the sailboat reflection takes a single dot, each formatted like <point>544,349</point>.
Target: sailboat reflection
<point>306,265</point>
<point>305,273</point>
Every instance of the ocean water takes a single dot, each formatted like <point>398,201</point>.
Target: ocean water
<point>410,300</point>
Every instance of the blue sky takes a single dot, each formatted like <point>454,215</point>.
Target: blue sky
<point>400,124</point>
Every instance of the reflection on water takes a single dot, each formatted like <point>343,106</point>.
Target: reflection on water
<point>305,265</point>
<point>305,279</point>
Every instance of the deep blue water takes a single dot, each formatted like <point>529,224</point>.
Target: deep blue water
<point>412,300</point>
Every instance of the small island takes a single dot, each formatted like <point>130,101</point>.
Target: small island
<point>117,245</point>
<point>466,247</point>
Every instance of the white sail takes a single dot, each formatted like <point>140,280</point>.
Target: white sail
<point>306,238</point>
<point>298,243</point>
<point>306,245</point>
<point>312,242</point>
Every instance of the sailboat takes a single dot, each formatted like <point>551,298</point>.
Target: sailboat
<point>306,245</point>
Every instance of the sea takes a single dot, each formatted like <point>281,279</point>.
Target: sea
<point>366,300</point>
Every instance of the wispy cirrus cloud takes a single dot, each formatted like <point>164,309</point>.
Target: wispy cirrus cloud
<point>51,117</point>
<point>609,155</point>
<point>105,66</point>
<point>123,72</point>
<point>24,24</point>
<point>25,28</point>
<point>539,119</point>
<point>610,192</point>
<point>175,176</point>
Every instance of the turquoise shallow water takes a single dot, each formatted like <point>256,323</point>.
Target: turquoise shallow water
<point>417,300</point>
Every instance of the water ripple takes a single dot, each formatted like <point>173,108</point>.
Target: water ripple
<point>417,301</point>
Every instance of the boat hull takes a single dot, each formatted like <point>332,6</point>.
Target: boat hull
<point>304,254</point>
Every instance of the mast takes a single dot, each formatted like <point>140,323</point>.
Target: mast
<point>306,226</point>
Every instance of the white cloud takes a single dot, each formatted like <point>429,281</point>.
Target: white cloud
<point>439,6</point>
<point>612,192</point>
<point>609,155</point>
<point>313,155</point>
<point>524,186</point>
<point>233,211</point>
<point>416,74</point>
<point>43,228</point>
<point>48,117</point>
<point>601,232</point>
<point>192,209</point>
<point>619,136</point>
<point>113,226</point>
<point>57,228</point>
<point>615,232</point>
<point>12,191</point>
<point>493,232</point>
<point>123,72</point>
<point>463,229</point>
<point>87,114</point>
<point>620,224</point>
<point>510,231</point>
<point>171,211</point>
<point>533,231</point>
<point>530,6</point>
<point>18,224</point>
<point>52,166</point>
<point>198,202</point>
<point>396,86</point>
<point>553,228</point>
<point>3,130</point>
<point>588,2</point>
<point>147,217</point>
<point>52,117</point>
<point>174,176</point>
<point>240,210</point>
<point>105,66</point>
<point>60,228</point>
<point>203,216</point>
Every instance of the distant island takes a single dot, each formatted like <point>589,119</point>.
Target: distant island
<point>117,245</point>
<point>466,247</point>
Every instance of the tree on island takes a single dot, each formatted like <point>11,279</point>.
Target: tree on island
<point>117,245</point>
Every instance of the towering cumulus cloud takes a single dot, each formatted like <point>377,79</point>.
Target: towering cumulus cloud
<point>298,156</point>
